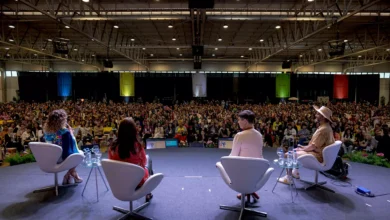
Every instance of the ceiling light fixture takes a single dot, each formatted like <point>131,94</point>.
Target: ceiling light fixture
<point>219,39</point>
<point>242,56</point>
<point>11,40</point>
<point>216,48</point>
<point>75,49</point>
<point>180,54</point>
<point>345,41</point>
<point>151,54</point>
<point>213,55</point>
<point>86,1</point>
<point>173,38</point>
<point>143,48</point>
<point>67,27</point>
<point>277,27</point>
<point>93,55</point>
<point>35,54</point>
<point>82,60</point>
<point>320,50</point>
<point>116,26</point>
<point>170,25</point>
<point>11,26</point>
<point>43,49</point>
<point>225,26</point>
<point>301,55</point>
<point>177,48</point>
<point>261,40</point>
<point>250,48</point>
<point>132,39</point>
<point>7,48</point>
<point>360,56</point>
<point>310,0</point>
<point>388,49</point>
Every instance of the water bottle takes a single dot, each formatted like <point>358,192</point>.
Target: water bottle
<point>88,158</point>
<point>289,159</point>
<point>281,159</point>
<point>295,158</point>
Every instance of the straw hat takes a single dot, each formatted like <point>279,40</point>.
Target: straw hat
<point>324,111</point>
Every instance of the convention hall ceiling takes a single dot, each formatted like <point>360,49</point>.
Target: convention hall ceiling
<point>145,31</point>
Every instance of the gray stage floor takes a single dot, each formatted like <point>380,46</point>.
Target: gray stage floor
<point>192,189</point>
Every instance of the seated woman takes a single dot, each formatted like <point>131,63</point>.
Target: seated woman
<point>128,148</point>
<point>57,131</point>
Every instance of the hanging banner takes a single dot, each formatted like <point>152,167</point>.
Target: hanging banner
<point>64,84</point>
<point>340,86</point>
<point>282,85</point>
<point>126,84</point>
<point>199,85</point>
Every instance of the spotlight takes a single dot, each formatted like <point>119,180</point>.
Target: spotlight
<point>225,26</point>
<point>116,26</point>
<point>261,40</point>
<point>173,38</point>
<point>345,41</point>
<point>86,1</point>
<point>67,27</point>
<point>219,39</point>
<point>132,39</point>
<point>277,27</point>
<point>170,25</point>
<point>11,26</point>
<point>310,0</point>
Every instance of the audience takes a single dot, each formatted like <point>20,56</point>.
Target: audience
<point>195,121</point>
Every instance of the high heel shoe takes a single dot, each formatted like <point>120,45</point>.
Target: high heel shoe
<point>67,180</point>
<point>76,177</point>
<point>148,197</point>
<point>248,197</point>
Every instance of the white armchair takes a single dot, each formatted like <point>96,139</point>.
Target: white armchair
<point>123,179</point>
<point>310,162</point>
<point>244,175</point>
<point>47,156</point>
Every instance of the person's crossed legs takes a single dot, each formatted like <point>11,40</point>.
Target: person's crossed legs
<point>291,172</point>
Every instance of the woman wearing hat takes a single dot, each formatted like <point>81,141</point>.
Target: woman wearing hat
<point>321,138</point>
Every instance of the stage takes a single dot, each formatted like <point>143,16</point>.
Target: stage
<point>193,189</point>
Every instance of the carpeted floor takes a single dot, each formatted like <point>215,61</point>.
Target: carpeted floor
<point>192,189</point>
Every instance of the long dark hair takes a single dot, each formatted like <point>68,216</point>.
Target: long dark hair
<point>127,138</point>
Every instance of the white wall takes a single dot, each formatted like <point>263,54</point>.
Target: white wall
<point>384,89</point>
<point>377,68</point>
<point>12,85</point>
<point>1,86</point>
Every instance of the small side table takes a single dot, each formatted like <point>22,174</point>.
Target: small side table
<point>96,167</point>
<point>292,185</point>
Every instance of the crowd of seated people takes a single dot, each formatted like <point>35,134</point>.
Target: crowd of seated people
<point>360,126</point>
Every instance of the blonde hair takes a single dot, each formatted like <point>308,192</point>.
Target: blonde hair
<point>57,119</point>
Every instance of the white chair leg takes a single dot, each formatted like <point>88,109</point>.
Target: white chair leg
<point>242,209</point>
<point>54,188</point>
<point>317,184</point>
<point>132,213</point>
